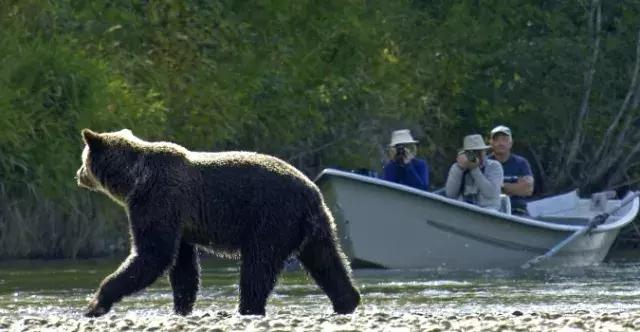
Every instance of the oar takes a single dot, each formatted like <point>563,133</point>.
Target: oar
<point>593,223</point>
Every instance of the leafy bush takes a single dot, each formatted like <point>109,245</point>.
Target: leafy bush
<point>317,83</point>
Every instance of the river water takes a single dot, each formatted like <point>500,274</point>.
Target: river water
<point>61,290</point>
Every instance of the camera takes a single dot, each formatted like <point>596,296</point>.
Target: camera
<point>471,155</point>
<point>401,152</point>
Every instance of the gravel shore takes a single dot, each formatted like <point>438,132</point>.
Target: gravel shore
<point>365,319</point>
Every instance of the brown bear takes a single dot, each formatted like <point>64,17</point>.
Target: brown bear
<point>243,204</point>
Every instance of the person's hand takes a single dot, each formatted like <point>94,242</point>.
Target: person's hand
<point>472,165</point>
<point>462,160</point>
<point>407,156</point>
<point>464,163</point>
<point>526,182</point>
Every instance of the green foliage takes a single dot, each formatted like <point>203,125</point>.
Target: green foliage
<point>318,83</point>
<point>49,93</point>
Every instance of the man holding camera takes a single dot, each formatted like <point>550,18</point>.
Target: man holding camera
<point>473,177</point>
<point>403,167</point>
<point>518,178</point>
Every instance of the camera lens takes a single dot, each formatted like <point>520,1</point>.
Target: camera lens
<point>471,156</point>
<point>400,151</point>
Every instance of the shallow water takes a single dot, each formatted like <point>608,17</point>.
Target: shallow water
<point>64,288</point>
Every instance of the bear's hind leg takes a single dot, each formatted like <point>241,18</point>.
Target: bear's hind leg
<point>258,272</point>
<point>320,257</point>
<point>185,278</point>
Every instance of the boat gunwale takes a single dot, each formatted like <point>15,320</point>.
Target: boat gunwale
<point>621,222</point>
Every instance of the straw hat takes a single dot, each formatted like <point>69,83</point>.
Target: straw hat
<point>402,136</point>
<point>474,142</point>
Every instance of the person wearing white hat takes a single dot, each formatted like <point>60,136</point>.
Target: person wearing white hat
<point>403,167</point>
<point>473,177</point>
<point>518,178</point>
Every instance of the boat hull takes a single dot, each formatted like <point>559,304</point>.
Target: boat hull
<point>386,226</point>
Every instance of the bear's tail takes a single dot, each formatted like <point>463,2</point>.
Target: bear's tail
<point>321,256</point>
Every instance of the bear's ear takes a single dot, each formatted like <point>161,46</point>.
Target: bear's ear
<point>91,138</point>
<point>127,132</point>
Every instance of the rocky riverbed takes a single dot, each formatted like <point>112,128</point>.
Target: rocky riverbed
<point>366,319</point>
<point>603,298</point>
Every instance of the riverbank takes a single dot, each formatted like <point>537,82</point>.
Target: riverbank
<point>365,319</point>
<point>51,297</point>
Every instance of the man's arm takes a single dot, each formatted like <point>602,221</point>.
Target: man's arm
<point>489,182</point>
<point>524,187</point>
<point>389,172</point>
<point>417,176</point>
<point>454,181</point>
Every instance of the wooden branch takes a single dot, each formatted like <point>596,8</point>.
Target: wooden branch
<point>326,145</point>
<point>634,91</point>
<point>620,166</point>
<point>636,95</point>
<point>538,162</point>
<point>594,29</point>
<point>633,165</point>
<point>620,140</point>
<point>611,154</point>
<point>315,149</point>
<point>556,172</point>
<point>630,155</point>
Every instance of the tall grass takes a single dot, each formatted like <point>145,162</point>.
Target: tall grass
<point>48,92</point>
<point>82,225</point>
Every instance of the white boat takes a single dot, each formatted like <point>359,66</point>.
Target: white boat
<point>389,225</point>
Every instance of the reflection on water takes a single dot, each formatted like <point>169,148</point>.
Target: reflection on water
<point>63,288</point>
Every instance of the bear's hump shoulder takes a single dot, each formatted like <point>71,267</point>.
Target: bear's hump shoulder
<point>222,157</point>
<point>236,158</point>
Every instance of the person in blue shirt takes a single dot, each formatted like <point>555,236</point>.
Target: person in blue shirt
<point>403,167</point>
<point>518,178</point>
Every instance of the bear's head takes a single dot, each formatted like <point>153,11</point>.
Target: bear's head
<point>109,162</point>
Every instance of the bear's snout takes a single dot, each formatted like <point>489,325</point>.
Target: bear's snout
<point>84,179</point>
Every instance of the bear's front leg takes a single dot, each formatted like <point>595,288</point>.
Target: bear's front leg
<point>154,246</point>
<point>185,279</point>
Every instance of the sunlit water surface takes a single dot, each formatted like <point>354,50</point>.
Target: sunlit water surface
<point>64,288</point>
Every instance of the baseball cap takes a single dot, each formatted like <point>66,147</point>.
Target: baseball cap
<point>501,129</point>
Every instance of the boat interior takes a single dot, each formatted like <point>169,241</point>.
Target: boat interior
<point>570,209</point>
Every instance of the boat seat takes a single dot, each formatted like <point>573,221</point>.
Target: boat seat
<point>600,200</point>
<point>505,204</point>
<point>555,205</point>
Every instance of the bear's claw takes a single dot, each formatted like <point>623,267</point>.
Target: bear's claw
<point>96,309</point>
<point>347,304</point>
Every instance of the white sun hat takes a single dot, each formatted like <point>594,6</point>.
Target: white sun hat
<point>474,142</point>
<point>402,136</point>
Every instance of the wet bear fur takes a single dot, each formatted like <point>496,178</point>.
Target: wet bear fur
<point>243,204</point>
